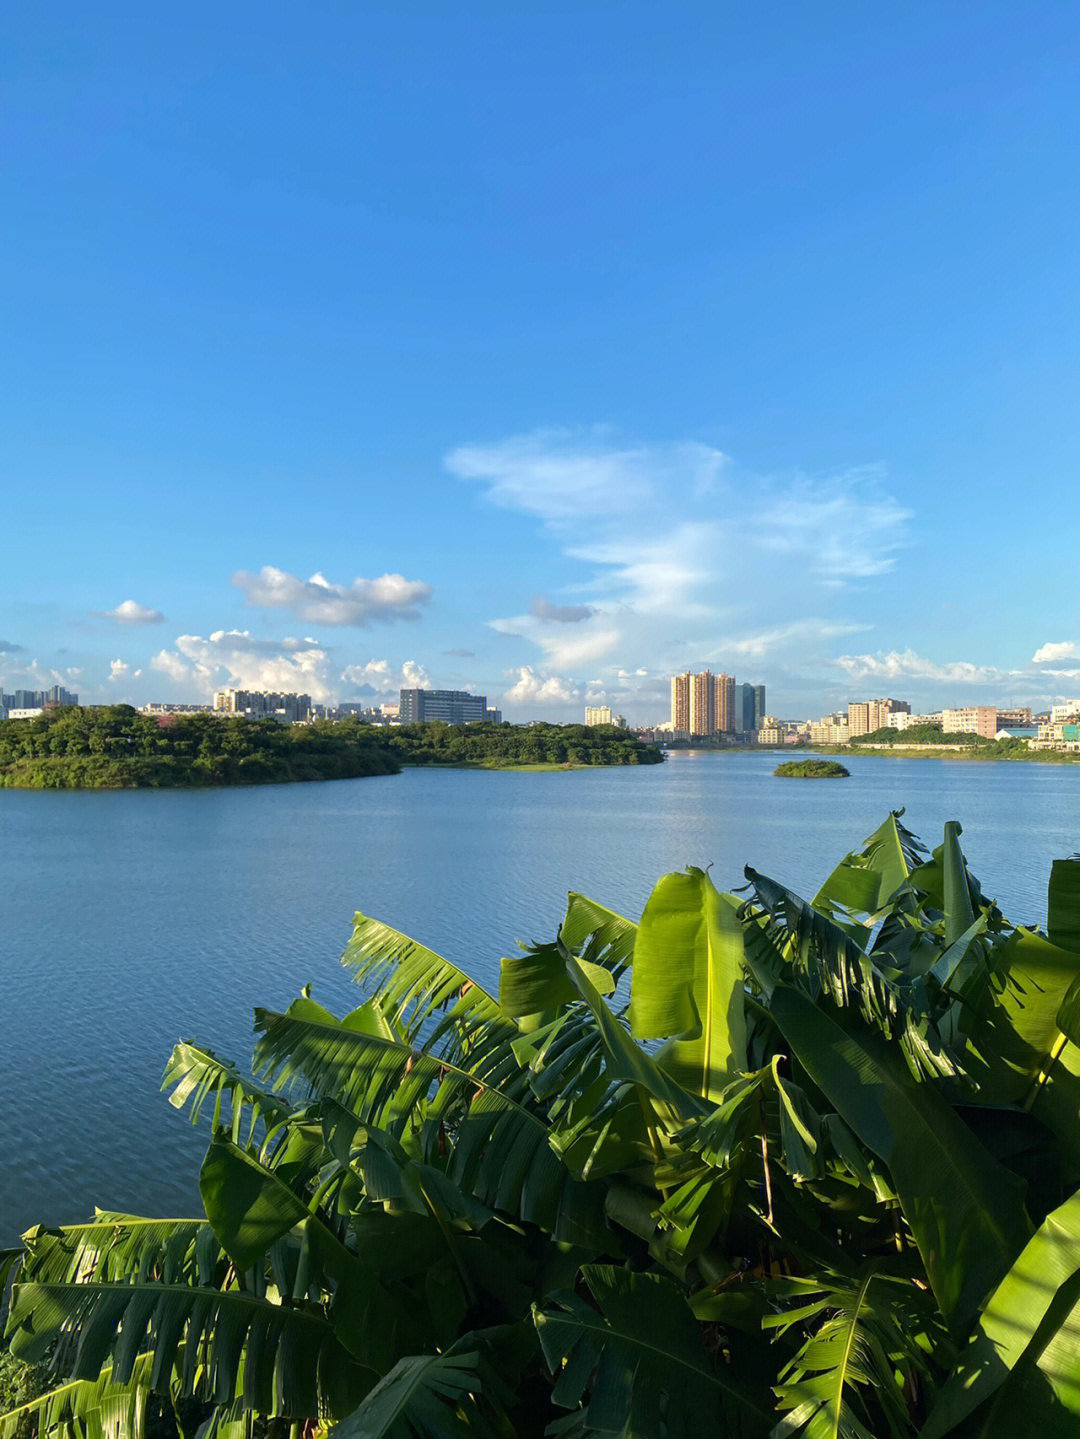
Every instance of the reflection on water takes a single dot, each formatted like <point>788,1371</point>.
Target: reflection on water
<point>131,920</point>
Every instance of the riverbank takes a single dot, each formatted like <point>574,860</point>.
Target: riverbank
<point>952,752</point>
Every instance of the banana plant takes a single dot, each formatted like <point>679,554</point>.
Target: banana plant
<point>749,1165</point>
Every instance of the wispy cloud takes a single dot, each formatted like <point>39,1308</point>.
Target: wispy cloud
<point>674,540</point>
<point>906,664</point>
<point>840,529</point>
<point>130,612</point>
<point>8,647</point>
<point>796,635</point>
<point>461,654</point>
<point>318,601</point>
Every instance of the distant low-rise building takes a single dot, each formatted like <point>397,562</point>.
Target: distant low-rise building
<point>902,720</point>
<point>972,719</point>
<point>1062,737</point>
<point>866,716</point>
<point>1019,718</point>
<point>832,729</point>
<point>419,706</point>
<point>263,704</point>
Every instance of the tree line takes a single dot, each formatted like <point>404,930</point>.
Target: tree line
<point>117,747</point>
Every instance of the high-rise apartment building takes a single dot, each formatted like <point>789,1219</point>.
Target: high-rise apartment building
<point>724,704</point>
<point>38,699</point>
<point>680,702</point>
<point>749,708</point>
<point>707,704</point>
<point>597,714</point>
<point>450,706</point>
<point>759,706</point>
<point>702,704</point>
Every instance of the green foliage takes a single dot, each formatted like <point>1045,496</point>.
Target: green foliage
<point>116,747</point>
<point>811,769</point>
<point>753,1165</point>
<point>497,746</point>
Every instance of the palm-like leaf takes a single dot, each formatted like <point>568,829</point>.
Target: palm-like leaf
<point>844,1381</point>
<point>195,1075</point>
<point>101,1408</point>
<point>222,1344</point>
<point>503,1153</point>
<point>598,934</point>
<point>434,1396</point>
<point>636,1363</point>
<point>424,995</point>
<point>688,981</point>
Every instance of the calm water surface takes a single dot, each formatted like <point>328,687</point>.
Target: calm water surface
<point>131,920</point>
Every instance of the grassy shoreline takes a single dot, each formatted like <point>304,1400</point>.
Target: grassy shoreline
<point>980,756</point>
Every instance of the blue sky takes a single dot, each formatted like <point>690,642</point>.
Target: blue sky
<point>542,349</point>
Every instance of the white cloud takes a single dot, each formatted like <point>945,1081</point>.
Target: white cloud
<point>317,600</point>
<point>670,539</point>
<point>132,613</point>
<point>906,664</point>
<point>562,648</point>
<point>840,529</point>
<point>540,689</point>
<point>377,678</point>
<point>235,659</point>
<point>562,475</point>
<point>167,663</point>
<point>119,670</point>
<point>797,634</point>
<point>1049,654</point>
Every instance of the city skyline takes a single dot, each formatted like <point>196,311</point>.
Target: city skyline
<point>478,375</point>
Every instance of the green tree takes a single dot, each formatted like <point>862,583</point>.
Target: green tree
<point>753,1165</point>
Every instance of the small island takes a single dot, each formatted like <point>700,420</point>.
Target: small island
<point>118,747</point>
<point>811,769</point>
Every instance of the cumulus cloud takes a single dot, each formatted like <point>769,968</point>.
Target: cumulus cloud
<point>543,609</point>
<point>531,687</point>
<point>317,600</point>
<point>1052,653</point>
<point>235,659</point>
<point>119,670</point>
<point>906,664</point>
<point>132,613</point>
<point>378,678</point>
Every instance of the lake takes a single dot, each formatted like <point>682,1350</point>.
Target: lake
<point>133,919</point>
